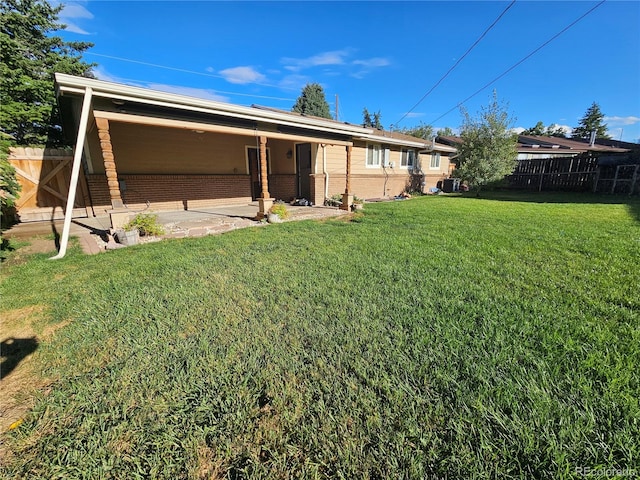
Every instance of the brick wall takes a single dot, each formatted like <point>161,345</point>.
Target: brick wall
<point>168,192</point>
<point>283,186</point>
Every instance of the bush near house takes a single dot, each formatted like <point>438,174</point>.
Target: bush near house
<point>446,337</point>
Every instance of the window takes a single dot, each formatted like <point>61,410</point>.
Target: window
<point>408,158</point>
<point>373,156</point>
<point>435,160</point>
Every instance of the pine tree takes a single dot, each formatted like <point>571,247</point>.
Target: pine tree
<point>591,122</point>
<point>30,56</point>
<point>312,102</point>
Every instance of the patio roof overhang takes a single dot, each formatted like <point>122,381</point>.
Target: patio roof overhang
<point>68,85</point>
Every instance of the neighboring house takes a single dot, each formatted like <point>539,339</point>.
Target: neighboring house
<point>145,148</point>
<point>532,147</point>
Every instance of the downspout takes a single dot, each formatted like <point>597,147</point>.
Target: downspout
<point>75,172</point>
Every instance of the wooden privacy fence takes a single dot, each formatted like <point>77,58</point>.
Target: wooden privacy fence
<point>44,175</point>
<point>561,173</point>
<point>619,179</point>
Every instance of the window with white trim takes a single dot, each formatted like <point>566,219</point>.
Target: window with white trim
<point>435,160</point>
<point>373,155</point>
<point>407,158</point>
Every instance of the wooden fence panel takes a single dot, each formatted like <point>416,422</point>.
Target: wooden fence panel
<point>44,175</point>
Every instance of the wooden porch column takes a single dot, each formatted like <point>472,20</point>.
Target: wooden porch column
<point>347,197</point>
<point>109,162</point>
<point>265,201</point>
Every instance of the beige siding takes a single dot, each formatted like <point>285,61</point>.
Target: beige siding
<point>140,149</point>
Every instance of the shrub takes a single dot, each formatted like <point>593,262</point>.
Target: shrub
<point>280,208</point>
<point>146,224</point>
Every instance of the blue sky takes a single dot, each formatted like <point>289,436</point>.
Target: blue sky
<point>384,56</point>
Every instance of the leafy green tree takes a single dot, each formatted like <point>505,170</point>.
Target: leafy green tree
<point>488,151</point>
<point>552,130</point>
<point>30,55</point>
<point>538,130</point>
<point>592,121</point>
<point>445,132</point>
<point>555,130</point>
<point>312,102</point>
<point>422,131</point>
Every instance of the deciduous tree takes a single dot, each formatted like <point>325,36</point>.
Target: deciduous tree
<point>488,151</point>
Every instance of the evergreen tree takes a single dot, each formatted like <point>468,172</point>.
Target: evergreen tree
<point>591,122</point>
<point>30,56</point>
<point>371,121</point>
<point>366,118</point>
<point>312,102</point>
<point>488,151</point>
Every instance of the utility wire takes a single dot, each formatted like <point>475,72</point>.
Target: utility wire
<point>517,64</point>
<point>459,60</point>
<point>191,72</point>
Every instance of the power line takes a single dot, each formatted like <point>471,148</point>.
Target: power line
<point>459,60</point>
<point>518,63</point>
<point>194,73</point>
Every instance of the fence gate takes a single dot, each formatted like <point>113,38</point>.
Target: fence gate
<point>44,175</point>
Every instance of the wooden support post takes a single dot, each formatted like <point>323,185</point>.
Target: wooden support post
<point>109,162</point>
<point>265,201</point>
<point>264,180</point>
<point>347,197</point>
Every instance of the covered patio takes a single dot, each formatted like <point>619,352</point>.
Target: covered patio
<point>146,150</point>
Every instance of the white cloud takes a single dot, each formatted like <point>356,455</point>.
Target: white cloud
<point>294,82</point>
<point>518,130</point>
<point>414,115</point>
<point>102,74</point>
<point>71,12</point>
<point>372,62</point>
<point>336,57</point>
<point>630,120</point>
<point>242,75</point>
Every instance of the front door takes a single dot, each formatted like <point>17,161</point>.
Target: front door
<point>303,169</point>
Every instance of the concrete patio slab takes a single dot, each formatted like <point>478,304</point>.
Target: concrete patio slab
<point>94,232</point>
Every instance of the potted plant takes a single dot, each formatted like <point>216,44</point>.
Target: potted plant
<point>358,204</point>
<point>277,212</point>
<point>142,225</point>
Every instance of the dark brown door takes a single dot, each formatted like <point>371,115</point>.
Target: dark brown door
<point>303,168</point>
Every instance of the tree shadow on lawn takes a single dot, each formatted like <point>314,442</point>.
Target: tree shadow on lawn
<point>13,351</point>
<point>632,202</point>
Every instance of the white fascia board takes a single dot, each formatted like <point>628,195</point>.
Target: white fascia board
<point>392,141</point>
<point>76,85</point>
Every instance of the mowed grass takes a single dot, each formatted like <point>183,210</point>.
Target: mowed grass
<point>441,337</point>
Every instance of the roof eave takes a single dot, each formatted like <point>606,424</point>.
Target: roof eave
<point>77,85</point>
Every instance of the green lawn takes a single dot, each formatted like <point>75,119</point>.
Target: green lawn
<point>440,337</point>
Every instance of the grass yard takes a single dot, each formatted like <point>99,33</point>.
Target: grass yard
<point>440,337</point>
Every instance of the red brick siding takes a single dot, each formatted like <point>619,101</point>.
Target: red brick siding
<point>172,191</point>
<point>283,186</point>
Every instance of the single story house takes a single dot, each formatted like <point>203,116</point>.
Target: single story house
<point>536,147</point>
<point>139,147</point>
